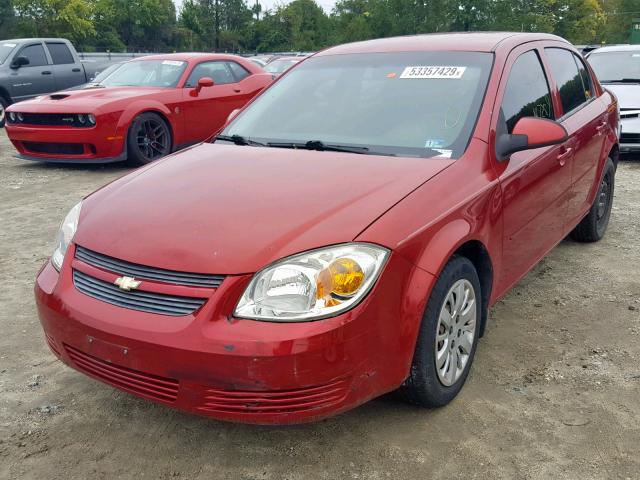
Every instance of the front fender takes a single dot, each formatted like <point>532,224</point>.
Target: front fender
<point>137,107</point>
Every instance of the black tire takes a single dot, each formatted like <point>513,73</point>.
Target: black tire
<point>424,386</point>
<point>3,109</point>
<point>149,139</point>
<point>593,227</point>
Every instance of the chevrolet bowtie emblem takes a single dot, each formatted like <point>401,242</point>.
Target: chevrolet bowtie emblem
<point>127,283</point>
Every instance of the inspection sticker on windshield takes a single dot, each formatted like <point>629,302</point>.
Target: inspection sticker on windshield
<point>173,63</point>
<point>433,72</point>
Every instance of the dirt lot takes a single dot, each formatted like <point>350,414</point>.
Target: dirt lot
<point>554,392</point>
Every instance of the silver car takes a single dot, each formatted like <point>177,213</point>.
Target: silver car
<point>618,69</point>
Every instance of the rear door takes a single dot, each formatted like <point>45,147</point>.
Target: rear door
<point>35,78</point>
<point>207,110</point>
<point>584,117</point>
<point>67,72</point>
<point>535,183</point>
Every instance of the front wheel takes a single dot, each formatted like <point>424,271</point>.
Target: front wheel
<point>593,227</point>
<point>448,337</point>
<point>149,139</point>
<point>3,111</point>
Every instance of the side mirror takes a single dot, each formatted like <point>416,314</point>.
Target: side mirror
<point>530,133</point>
<point>19,62</point>
<point>204,82</point>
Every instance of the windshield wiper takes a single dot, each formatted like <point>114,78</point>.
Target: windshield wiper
<point>240,140</point>
<point>622,80</point>
<point>321,146</point>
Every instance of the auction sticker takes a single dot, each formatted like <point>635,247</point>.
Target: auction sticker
<point>173,63</point>
<point>433,72</point>
<point>9,45</point>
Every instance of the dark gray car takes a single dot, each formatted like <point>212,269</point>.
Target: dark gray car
<point>34,66</point>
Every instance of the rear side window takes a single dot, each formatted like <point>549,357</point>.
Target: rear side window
<point>527,93</point>
<point>239,71</point>
<point>568,79</point>
<point>587,84</point>
<point>35,54</point>
<point>60,53</point>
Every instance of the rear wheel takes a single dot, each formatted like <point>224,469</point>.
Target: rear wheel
<point>448,337</point>
<point>593,227</point>
<point>3,111</point>
<point>149,139</point>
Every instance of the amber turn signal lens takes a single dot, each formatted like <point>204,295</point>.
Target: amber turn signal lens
<point>346,277</point>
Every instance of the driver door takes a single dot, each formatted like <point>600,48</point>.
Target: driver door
<point>207,110</point>
<point>32,79</point>
<point>535,183</point>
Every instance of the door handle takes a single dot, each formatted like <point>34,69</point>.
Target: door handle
<point>237,90</point>
<point>46,72</point>
<point>562,158</point>
<point>76,70</point>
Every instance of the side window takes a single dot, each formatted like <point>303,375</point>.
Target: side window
<point>60,53</point>
<point>218,71</point>
<point>527,93</point>
<point>35,54</point>
<point>239,72</point>
<point>587,84</point>
<point>568,79</point>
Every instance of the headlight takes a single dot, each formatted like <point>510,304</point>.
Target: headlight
<point>65,235</point>
<point>312,285</point>
<point>20,117</point>
<point>81,118</point>
<point>12,117</point>
<point>91,118</point>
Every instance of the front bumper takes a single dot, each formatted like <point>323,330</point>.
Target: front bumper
<point>212,364</point>
<point>630,134</point>
<point>99,144</point>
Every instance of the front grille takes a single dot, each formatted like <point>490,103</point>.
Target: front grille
<point>136,300</point>
<point>144,384</point>
<point>284,401</point>
<point>55,148</point>
<point>149,273</point>
<point>630,138</point>
<point>51,120</point>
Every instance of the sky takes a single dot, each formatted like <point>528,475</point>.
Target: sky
<point>327,5</point>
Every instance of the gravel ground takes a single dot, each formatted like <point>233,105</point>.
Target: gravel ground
<point>554,392</point>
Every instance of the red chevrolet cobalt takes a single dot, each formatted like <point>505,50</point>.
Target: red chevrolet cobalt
<point>343,236</point>
<point>139,110</point>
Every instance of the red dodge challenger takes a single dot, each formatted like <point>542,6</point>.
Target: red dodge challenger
<point>343,236</point>
<point>141,111</point>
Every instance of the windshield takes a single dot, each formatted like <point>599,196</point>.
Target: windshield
<point>407,104</point>
<point>5,49</point>
<point>616,66</point>
<point>145,73</point>
<point>101,76</point>
<point>279,66</point>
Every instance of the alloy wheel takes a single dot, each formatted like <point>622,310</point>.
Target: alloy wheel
<point>455,332</point>
<point>152,139</point>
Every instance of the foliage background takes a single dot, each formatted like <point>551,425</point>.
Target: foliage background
<point>302,25</point>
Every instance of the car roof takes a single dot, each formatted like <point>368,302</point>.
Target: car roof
<point>616,48</point>
<point>185,57</point>
<point>463,41</point>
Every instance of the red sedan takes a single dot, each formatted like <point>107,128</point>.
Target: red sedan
<point>142,110</point>
<point>344,236</point>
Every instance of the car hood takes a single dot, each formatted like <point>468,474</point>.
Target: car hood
<point>228,209</point>
<point>85,99</point>
<point>628,94</point>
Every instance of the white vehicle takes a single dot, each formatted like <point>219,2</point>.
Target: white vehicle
<point>618,69</point>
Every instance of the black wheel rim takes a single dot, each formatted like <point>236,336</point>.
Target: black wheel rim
<point>2,113</point>
<point>152,139</point>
